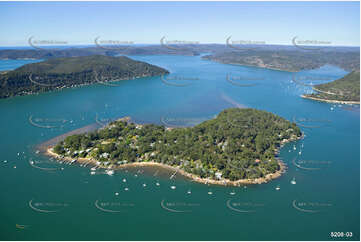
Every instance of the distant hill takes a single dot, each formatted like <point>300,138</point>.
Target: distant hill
<point>346,88</point>
<point>60,73</point>
<point>289,60</point>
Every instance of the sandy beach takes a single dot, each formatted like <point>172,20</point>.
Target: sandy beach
<point>330,101</point>
<point>223,182</point>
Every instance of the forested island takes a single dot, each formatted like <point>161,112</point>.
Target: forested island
<point>58,73</point>
<point>238,146</point>
<point>344,90</point>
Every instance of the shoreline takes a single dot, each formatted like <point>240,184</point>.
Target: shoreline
<point>329,100</point>
<point>192,177</point>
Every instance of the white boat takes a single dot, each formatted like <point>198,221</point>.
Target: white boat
<point>126,189</point>
<point>92,173</point>
<point>93,169</point>
<point>300,153</point>
<point>210,193</point>
<point>124,180</point>
<point>294,147</point>
<point>144,185</point>
<point>116,194</point>
<point>157,184</point>
<point>232,193</point>
<point>173,187</point>
<point>293,181</point>
<point>109,172</point>
<point>278,188</point>
<point>189,192</point>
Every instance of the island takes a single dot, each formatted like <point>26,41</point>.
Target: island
<point>238,146</point>
<point>345,90</point>
<point>59,73</point>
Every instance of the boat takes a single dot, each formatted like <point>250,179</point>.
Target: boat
<point>210,193</point>
<point>92,173</point>
<point>172,176</point>
<point>117,193</point>
<point>144,185</point>
<point>300,152</point>
<point>189,191</point>
<point>278,188</point>
<point>126,189</point>
<point>124,180</point>
<point>232,193</point>
<point>93,169</point>
<point>293,181</point>
<point>157,184</point>
<point>294,147</point>
<point>109,172</point>
<point>173,187</point>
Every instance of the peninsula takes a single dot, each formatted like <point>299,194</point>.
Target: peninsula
<point>58,73</point>
<point>237,147</point>
<point>345,90</point>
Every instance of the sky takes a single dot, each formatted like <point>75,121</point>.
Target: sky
<point>337,23</point>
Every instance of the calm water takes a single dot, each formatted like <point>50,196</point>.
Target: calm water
<point>49,201</point>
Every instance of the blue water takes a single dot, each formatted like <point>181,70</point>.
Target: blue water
<point>326,198</point>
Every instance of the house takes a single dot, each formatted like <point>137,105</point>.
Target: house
<point>218,175</point>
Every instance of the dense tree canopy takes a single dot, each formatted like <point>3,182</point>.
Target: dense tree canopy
<point>238,143</point>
